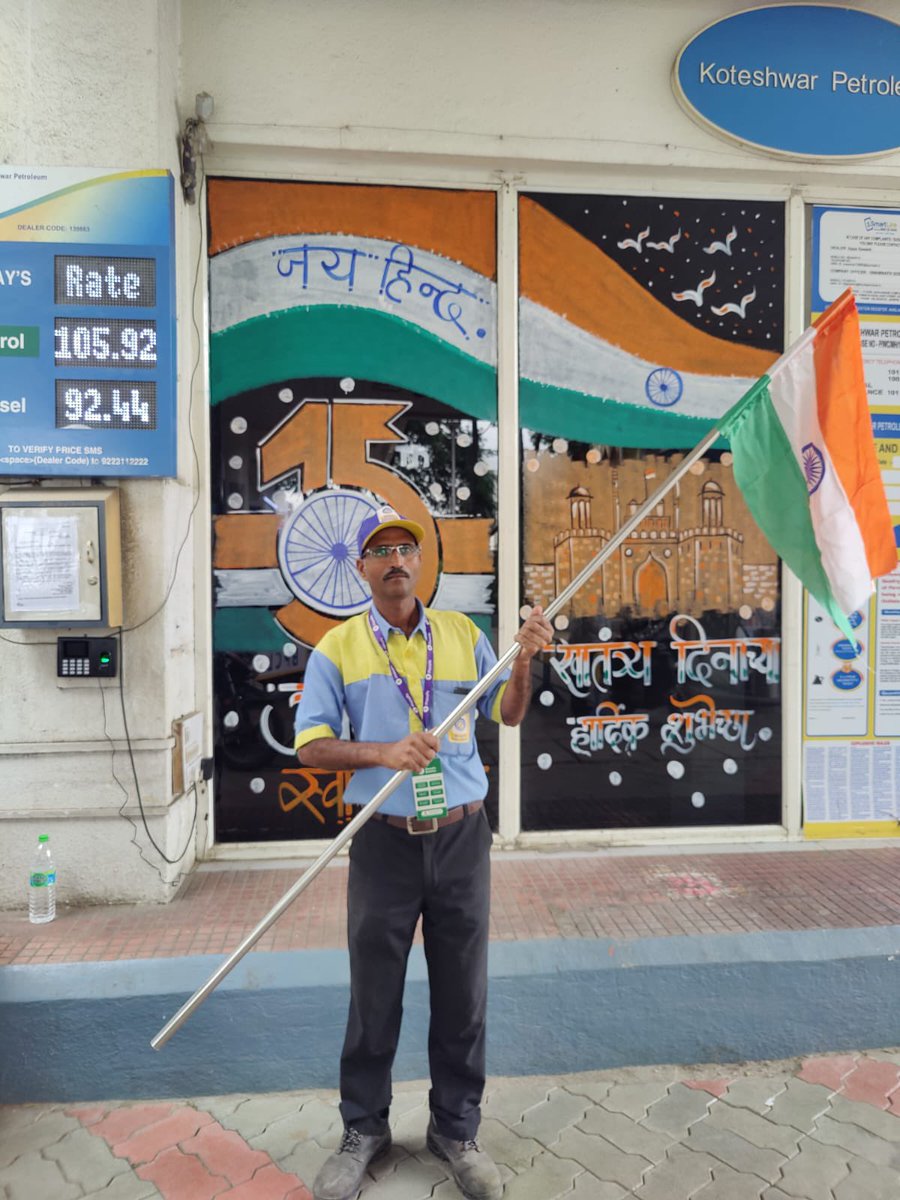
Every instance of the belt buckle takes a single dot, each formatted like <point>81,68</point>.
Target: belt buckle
<point>421,832</point>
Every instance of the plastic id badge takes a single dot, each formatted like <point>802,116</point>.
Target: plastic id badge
<point>428,791</point>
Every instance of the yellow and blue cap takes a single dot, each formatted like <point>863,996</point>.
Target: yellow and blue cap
<point>387,518</point>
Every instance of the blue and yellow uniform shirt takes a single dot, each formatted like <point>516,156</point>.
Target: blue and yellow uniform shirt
<point>348,672</point>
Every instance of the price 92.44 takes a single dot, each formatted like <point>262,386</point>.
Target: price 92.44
<point>102,404</point>
<point>116,343</point>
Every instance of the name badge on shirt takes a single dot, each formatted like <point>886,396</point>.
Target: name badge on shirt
<point>428,791</point>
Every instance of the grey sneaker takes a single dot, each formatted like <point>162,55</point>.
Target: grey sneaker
<point>342,1174</point>
<point>474,1171</point>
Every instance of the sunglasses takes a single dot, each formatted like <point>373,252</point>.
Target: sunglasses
<point>405,550</point>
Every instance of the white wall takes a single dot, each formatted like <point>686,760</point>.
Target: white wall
<point>94,83</point>
<point>518,82</point>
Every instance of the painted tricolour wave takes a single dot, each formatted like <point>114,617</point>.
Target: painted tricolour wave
<point>442,297</point>
<point>555,353</point>
<point>456,305</point>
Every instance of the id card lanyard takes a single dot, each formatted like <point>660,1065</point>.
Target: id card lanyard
<point>428,785</point>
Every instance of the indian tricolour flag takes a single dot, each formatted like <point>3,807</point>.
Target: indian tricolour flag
<point>804,459</point>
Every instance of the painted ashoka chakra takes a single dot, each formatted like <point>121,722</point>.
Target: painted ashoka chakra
<point>317,552</point>
<point>663,387</point>
<point>813,466</point>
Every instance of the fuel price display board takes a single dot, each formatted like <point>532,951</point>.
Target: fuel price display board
<point>87,323</point>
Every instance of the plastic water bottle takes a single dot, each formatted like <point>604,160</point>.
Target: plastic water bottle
<point>42,885</point>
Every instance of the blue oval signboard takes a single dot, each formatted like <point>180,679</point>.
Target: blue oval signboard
<point>805,80</point>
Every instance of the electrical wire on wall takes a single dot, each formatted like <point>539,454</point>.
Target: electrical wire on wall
<point>172,883</point>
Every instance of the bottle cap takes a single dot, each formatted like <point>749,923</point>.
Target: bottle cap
<point>44,837</point>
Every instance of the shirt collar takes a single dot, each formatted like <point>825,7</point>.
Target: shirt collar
<point>387,628</point>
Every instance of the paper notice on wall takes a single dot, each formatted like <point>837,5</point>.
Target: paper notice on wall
<point>851,781</point>
<point>880,338</point>
<point>41,563</point>
<point>887,657</point>
<point>860,248</point>
<point>851,718</point>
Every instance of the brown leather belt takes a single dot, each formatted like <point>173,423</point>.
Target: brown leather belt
<point>417,827</point>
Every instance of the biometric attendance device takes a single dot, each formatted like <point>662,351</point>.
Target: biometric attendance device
<point>86,658</point>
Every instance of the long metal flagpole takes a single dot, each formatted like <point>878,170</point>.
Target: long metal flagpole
<point>369,810</point>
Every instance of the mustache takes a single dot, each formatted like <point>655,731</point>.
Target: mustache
<point>395,571</point>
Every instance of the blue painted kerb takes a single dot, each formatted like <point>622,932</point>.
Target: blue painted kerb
<point>81,1031</point>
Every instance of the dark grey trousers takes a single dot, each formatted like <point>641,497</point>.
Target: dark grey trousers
<point>395,878</point>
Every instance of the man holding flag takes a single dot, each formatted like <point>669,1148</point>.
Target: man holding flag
<point>397,671</point>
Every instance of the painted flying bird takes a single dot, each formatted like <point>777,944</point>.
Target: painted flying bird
<point>669,245</point>
<point>631,244</point>
<point>740,309</point>
<point>697,293</point>
<point>725,246</point>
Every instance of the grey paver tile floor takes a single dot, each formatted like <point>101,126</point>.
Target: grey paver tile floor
<point>652,1133</point>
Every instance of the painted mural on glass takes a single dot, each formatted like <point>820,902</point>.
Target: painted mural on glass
<point>660,703</point>
<point>352,364</point>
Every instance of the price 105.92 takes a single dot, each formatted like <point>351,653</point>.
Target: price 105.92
<point>112,343</point>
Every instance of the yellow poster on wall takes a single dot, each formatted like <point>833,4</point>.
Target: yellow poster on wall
<point>851,689</point>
